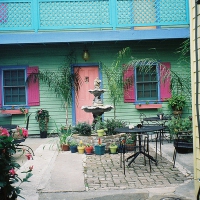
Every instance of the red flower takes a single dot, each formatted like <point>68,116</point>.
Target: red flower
<point>99,141</point>
<point>12,172</point>
<point>29,156</point>
<point>31,167</point>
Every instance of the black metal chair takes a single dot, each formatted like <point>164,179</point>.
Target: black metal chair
<point>18,142</point>
<point>181,144</point>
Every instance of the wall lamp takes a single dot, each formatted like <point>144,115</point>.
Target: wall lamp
<point>85,55</point>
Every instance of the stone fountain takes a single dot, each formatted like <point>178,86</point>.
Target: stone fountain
<point>97,108</point>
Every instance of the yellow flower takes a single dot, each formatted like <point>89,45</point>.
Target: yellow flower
<point>81,143</point>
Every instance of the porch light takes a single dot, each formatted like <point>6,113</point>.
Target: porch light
<point>85,55</point>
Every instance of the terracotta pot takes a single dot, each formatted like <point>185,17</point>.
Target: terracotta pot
<point>130,147</point>
<point>89,150</point>
<point>64,147</point>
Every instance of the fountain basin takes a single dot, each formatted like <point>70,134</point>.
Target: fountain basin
<point>97,92</point>
<point>97,109</point>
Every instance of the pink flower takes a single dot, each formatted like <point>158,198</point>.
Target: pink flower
<point>4,132</point>
<point>29,156</point>
<point>25,132</point>
<point>31,167</point>
<point>12,172</point>
<point>22,131</point>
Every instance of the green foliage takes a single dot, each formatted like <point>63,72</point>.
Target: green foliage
<point>62,82</point>
<point>42,117</point>
<point>73,143</point>
<point>8,176</point>
<point>131,139</point>
<point>82,128</point>
<point>114,75</point>
<point>177,102</point>
<point>179,125</point>
<point>111,124</point>
<point>64,134</point>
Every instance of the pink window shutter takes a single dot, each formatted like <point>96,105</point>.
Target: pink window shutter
<point>1,89</point>
<point>33,88</point>
<point>165,91</point>
<point>129,94</point>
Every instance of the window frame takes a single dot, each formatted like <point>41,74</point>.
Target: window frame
<point>26,89</point>
<point>145,101</point>
<point>164,86</point>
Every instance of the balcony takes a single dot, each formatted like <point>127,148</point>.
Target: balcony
<point>36,16</point>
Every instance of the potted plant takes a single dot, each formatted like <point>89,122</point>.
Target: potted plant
<point>73,146</point>
<point>160,113</point>
<point>99,148</point>
<point>130,142</point>
<point>42,117</point>
<point>113,148</point>
<point>100,127</point>
<point>81,147</point>
<point>177,102</point>
<point>65,137</point>
<point>111,124</point>
<point>88,149</point>
<point>82,128</point>
<point>181,133</point>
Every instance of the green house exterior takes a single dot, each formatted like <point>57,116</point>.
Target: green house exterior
<point>45,38</point>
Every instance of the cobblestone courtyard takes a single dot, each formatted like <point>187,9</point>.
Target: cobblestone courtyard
<point>104,172</point>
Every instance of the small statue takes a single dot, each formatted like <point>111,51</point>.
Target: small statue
<point>97,83</point>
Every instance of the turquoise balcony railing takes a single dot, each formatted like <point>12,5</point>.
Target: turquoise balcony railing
<point>40,15</point>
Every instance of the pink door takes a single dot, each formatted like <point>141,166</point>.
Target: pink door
<point>88,75</point>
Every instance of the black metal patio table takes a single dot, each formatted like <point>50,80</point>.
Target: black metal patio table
<point>140,132</point>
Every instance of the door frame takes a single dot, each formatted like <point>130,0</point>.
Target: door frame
<point>99,65</point>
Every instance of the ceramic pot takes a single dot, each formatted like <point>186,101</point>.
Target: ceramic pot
<point>99,149</point>
<point>113,149</point>
<point>100,132</point>
<point>81,149</point>
<point>73,149</point>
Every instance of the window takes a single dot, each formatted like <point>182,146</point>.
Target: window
<point>148,85</point>
<point>14,87</point>
<point>14,90</point>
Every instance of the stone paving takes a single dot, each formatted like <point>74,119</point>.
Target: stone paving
<point>104,172</point>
